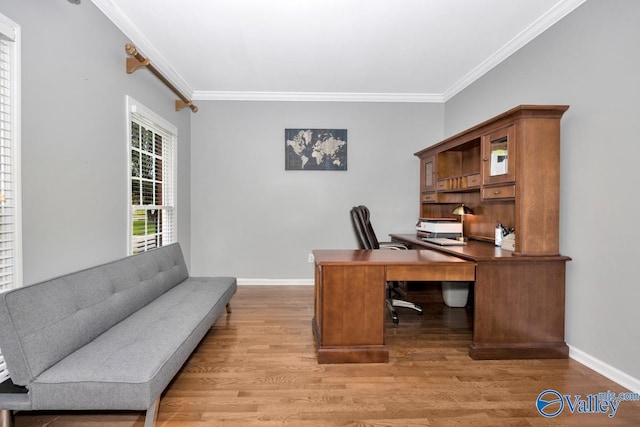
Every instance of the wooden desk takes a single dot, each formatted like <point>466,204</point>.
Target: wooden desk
<point>349,317</point>
<point>518,300</point>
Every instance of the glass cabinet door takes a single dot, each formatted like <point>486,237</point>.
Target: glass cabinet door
<point>428,170</point>
<point>498,156</point>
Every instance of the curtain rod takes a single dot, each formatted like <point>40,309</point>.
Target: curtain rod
<point>139,61</point>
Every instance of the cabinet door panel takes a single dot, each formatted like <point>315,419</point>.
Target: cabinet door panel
<point>428,172</point>
<point>498,156</point>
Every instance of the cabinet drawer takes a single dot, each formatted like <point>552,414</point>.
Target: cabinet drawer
<point>442,184</point>
<point>473,180</point>
<point>500,192</point>
<point>428,197</point>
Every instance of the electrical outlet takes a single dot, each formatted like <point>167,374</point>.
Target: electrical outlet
<point>311,259</point>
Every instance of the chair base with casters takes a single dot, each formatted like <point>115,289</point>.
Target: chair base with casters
<point>367,239</point>
<point>392,303</point>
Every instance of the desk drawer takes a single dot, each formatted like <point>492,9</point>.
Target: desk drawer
<point>500,192</point>
<point>462,271</point>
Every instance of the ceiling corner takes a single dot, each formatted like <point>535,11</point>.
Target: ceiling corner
<point>555,14</point>
<point>143,45</point>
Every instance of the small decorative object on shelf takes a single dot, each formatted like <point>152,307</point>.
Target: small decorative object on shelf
<point>509,242</point>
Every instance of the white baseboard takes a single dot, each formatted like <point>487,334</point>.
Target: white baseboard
<point>625,380</point>
<point>275,282</point>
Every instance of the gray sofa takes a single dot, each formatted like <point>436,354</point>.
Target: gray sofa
<point>107,338</point>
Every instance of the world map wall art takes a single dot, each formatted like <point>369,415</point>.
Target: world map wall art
<point>315,149</point>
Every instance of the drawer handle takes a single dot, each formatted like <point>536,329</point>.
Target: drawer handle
<point>496,192</point>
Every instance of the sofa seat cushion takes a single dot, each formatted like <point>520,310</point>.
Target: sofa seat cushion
<point>130,364</point>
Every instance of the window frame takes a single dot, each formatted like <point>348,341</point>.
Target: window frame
<point>10,31</point>
<point>143,115</point>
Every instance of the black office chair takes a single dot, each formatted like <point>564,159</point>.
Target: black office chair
<point>367,239</point>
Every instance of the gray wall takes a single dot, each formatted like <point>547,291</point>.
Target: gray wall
<point>590,61</point>
<point>253,219</point>
<point>74,155</point>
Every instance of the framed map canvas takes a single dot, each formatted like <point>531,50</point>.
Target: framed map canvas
<point>315,149</point>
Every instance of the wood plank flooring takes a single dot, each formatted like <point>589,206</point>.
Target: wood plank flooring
<point>257,367</point>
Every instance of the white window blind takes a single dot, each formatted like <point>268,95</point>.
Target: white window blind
<point>10,249</point>
<point>152,175</point>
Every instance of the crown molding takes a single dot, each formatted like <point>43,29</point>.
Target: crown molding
<point>115,14</point>
<point>316,96</point>
<point>143,45</point>
<point>539,26</point>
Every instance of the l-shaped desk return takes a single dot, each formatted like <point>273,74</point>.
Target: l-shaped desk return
<point>518,301</point>
<point>349,318</point>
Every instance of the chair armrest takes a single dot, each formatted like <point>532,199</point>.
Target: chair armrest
<point>392,245</point>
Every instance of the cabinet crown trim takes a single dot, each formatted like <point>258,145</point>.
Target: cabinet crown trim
<point>525,110</point>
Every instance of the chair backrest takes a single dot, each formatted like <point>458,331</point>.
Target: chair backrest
<point>360,218</point>
<point>371,235</point>
<point>359,228</point>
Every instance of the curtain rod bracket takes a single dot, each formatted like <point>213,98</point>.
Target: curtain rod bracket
<point>180,104</point>
<point>139,61</point>
<point>133,64</point>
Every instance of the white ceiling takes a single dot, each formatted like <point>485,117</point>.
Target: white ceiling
<point>381,50</point>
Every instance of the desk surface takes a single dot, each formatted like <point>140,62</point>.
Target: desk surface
<point>409,265</point>
<point>473,251</point>
<point>382,257</point>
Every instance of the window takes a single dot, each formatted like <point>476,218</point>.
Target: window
<point>152,177</point>
<point>10,239</point>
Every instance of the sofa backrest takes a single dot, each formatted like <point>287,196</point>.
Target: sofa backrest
<point>42,323</point>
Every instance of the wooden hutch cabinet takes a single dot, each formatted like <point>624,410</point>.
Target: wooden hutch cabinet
<point>507,170</point>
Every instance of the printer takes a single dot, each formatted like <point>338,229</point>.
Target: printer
<point>449,228</point>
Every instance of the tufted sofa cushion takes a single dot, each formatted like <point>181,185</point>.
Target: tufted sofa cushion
<point>52,319</point>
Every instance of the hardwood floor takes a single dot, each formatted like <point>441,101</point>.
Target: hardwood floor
<point>257,367</point>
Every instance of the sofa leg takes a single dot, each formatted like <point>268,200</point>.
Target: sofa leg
<point>152,414</point>
<point>6,418</point>
<point>228,308</point>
